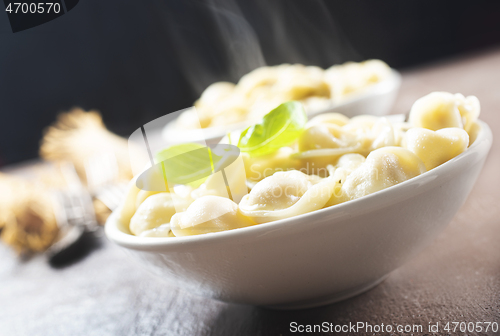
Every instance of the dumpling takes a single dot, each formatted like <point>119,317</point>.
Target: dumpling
<point>334,77</point>
<point>143,195</point>
<point>469,108</point>
<point>220,104</point>
<point>435,148</point>
<point>383,168</point>
<point>232,109</point>
<point>209,214</point>
<point>350,162</point>
<point>325,136</point>
<point>383,134</point>
<point>235,177</point>
<point>215,93</point>
<point>374,132</point>
<point>260,167</point>
<point>156,210</point>
<point>314,103</point>
<point>127,209</point>
<point>361,123</point>
<point>435,111</point>
<point>345,79</point>
<point>163,230</point>
<point>259,78</point>
<point>474,132</point>
<point>375,71</point>
<point>297,82</point>
<point>328,118</point>
<point>322,145</point>
<point>352,77</point>
<point>286,194</point>
<point>345,165</point>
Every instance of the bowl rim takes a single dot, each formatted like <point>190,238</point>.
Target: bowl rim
<point>391,83</point>
<point>401,191</point>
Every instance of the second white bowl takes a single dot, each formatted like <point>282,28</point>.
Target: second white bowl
<point>376,100</point>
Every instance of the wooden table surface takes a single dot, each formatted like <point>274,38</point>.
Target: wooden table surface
<point>457,278</point>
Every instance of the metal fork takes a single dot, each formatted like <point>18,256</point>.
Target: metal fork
<point>74,213</point>
<point>103,179</point>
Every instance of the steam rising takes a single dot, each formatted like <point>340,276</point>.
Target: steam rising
<point>300,32</point>
<point>242,45</point>
<point>220,40</point>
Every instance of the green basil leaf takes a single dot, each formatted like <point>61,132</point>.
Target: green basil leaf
<point>175,150</point>
<point>280,127</point>
<point>188,163</point>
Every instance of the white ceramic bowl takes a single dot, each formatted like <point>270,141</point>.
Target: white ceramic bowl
<point>376,100</point>
<point>320,257</point>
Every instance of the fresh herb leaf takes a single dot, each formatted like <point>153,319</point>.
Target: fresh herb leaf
<point>188,163</point>
<point>280,127</point>
<point>175,150</point>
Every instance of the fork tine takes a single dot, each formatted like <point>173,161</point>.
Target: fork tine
<point>76,201</point>
<point>101,169</point>
<point>112,195</point>
<point>102,179</point>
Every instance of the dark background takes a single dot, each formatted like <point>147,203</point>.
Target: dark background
<point>137,60</point>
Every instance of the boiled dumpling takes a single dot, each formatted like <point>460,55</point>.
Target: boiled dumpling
<point>220,104</point>
<point>322,145</point>
<point>383,134</point>
<point>469,109</point>
<point>127,209</point>
<point>325,136</point>
<point>353,77</point>
<point>163,230</point>
<point>350,162</point>
<point>361,123</point>
<point>157,210</point>
<point>215,93</point>
<point>195,118</point>
<point>315,103</point>
<point>234,176</point>
<point>345,165</point>
<point>286,194</point>
<point>329,118</point>
<point>263,77</point>
<point>435,111</point>
<point>435,148</point>
<point>298,82</point>
<point>373,132</point>
<point>209,214</point>
<point>231,110</point>
<point>474,132</point>
<point>383,168</point>
<point>143,195</point>
<point>345,79</point>
<point>281,190</point>
<point>257,168</point>
<point>375,70</point>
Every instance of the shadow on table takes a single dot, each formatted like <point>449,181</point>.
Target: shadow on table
<point>249,320</point>
<point>85,243</point>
